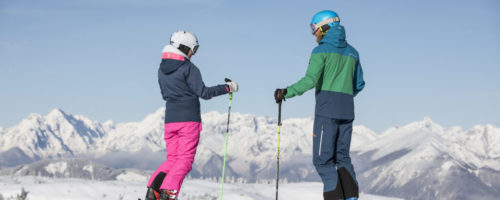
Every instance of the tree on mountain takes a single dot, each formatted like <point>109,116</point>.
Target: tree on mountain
<point>23,195</point>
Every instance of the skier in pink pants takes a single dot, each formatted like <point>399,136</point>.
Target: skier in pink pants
<point>181,86</point>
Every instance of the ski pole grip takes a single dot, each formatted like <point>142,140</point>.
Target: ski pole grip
<point>227,80</point>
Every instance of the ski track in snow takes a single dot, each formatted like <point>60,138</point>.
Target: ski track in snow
<point>42,188</point>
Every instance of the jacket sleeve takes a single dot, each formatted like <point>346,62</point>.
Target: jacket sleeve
<point>161,89</point>
<point>196,84</point>
<point>358,81</point>
<point>310,80</point>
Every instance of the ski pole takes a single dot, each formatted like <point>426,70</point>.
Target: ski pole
<point>278,155</point>
<point>227,138</point>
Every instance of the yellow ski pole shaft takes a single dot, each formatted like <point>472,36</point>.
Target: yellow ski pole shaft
<point>278,155</point>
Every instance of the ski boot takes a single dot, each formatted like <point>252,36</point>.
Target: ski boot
<point>152,194</point>
<point>168,195</point>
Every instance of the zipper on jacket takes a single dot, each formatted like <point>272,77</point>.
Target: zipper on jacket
<point>320,140</point>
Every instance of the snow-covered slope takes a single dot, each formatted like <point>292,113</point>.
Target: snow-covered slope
<point>41,188</point>
<point>421,160</point>
<point>134,136</point>
<point>56,134</point>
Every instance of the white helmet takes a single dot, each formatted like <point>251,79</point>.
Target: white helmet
<point>184,41</point>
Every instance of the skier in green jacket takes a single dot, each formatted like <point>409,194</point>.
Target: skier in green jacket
<point>335,70</point>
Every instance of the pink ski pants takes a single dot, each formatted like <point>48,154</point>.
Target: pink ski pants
<point>181,139</point>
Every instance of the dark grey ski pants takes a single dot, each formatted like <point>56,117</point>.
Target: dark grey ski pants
<point>331,144</point>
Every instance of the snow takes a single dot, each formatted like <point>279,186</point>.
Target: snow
<point>54,135</point>
<point>89,168</point>
<point>434,159</point>
<point>57,168</point>
<point>132,177</point>
<point>403,157</point>
<point>193,189</point>
<point>60,134</point>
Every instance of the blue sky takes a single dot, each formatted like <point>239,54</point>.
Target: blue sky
<point>99,58</point>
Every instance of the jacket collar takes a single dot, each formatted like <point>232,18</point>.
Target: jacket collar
<point>335,36</point>
<point>169,50</point>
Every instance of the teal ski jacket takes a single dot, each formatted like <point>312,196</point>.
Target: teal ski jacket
<point>335,71</point>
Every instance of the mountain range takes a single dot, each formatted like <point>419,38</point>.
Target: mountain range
<point>420,160</point>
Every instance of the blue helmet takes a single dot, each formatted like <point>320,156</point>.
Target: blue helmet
<point>324,20</point>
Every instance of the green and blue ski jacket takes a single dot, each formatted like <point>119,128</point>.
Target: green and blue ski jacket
<point>334,69</point>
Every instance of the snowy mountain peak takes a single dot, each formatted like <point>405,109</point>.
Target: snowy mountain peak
<point>56,116</point>
<point>426,124</point>
<point>428,119</point>
<point>55,134</point>
<point>365,131</point>
<point>108,124</point>
<point>488,128</point>
<point>32,118</point>
<point>55,113</point>
<point>154,117</point>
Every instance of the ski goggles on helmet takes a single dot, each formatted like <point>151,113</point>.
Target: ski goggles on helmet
<point>195,49</point>
<point>313,28</point>
<point>323,26</point>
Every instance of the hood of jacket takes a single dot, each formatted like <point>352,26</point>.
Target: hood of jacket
<point>335,36</point>
<point>172,59</point>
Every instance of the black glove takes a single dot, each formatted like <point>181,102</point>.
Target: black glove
<point>279,95</point>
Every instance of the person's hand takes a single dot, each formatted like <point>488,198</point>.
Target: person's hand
<point>279,95</point>
<point>233,86</point>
